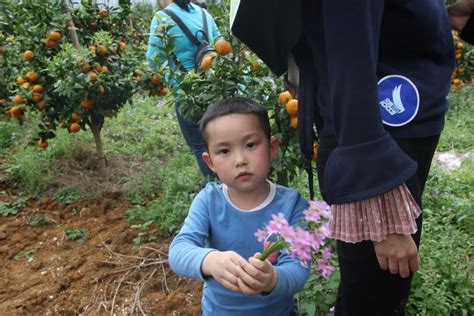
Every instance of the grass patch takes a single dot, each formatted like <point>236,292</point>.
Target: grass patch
<point>457,134</point>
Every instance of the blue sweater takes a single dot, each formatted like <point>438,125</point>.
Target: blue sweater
<point>214,223</point>
<point>184,50</point>
<point>381,72</point>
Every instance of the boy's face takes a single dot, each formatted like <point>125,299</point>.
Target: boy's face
<point>239,152</point>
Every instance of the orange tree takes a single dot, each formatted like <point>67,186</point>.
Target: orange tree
<point>232,70</point>
<point>464,55</point>
<point>74,66</point>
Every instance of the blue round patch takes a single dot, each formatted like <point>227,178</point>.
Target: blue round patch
<point>398,100</point>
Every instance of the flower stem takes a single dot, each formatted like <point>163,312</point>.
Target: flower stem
<point>278,245</point>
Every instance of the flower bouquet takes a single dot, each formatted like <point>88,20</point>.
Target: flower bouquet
<point>306,241</point>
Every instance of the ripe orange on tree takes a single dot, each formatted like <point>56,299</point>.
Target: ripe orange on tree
<point>255,67</point>
<point>97,66</point>
<point>87,104</point>
<point>104,13</point>
<point>85,68</point>
<point>456,82</point>
<point>156,80</point>
<point>18,99</point>
<point>16,112</point>
<point>36,98</point>
<point>28,55</point>
<point>20,80</point>
<point>104,70</point>
<point>32,76</point>
<point>49,42</point>
<point>102,50</point>
<point>43,144</point>
<point>37,88</point>
<point>294,122</point>
<point>122,45</point>
<point>92,76</point>
<point>207,61</point>
<point>284,97</point>
<point>55,36</point>
<point>292,107</point>
<point>223,47</point>
<point>74,128</point>
<point>162,92</point>
<point>26,85</point>
<point>76,117</point>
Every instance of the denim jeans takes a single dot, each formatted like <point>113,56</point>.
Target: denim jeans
<point>193,138</point>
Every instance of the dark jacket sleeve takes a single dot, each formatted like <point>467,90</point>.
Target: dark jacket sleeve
<point>367,161</point>
<point>270,28</point>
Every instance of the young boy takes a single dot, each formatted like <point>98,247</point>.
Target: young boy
<point>217,243</point>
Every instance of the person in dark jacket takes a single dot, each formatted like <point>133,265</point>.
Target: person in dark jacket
<point>374,77</point>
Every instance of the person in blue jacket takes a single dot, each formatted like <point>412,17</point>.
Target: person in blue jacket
<point>217,242</point>
<point>374,76</point>
<point>185,52</point>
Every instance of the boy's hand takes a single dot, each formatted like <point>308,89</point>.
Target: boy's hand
<point>259,276</point>
<point>225,267</point>
<point>398,254</point>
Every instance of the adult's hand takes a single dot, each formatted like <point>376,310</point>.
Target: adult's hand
<point>459,12</point>
<point>398,254</point>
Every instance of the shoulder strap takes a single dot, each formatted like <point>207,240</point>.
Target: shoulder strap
<point>204,23</point>
<point>183,27</point>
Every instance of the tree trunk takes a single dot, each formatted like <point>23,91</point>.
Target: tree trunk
<point>71,27</point>
<point>95,124</point>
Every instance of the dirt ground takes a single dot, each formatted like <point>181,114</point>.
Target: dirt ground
<point>45,273</point>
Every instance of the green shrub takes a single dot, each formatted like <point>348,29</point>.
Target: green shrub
<point>79,234</point>
<point>30,168</point>
<point>443,284</point>
<point>179,182</point>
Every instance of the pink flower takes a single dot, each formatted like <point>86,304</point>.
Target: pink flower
<point>261,235</point>
<point>277,223</point>
<point>324,268</point>
<point>321,207</point>
<point>302,242</point>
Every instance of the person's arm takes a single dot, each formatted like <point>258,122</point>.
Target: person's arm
<point>367,162</point>
<point>188,249</point>
<point>155,44</point>
<point>461,15</point>
<point>189,256</point>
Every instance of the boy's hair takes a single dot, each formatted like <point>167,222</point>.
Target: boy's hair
<point>237,105</point>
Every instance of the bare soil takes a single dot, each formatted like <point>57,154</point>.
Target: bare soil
<point>45,273</point>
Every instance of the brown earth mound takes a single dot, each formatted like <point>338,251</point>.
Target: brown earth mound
<point>44,272</point>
